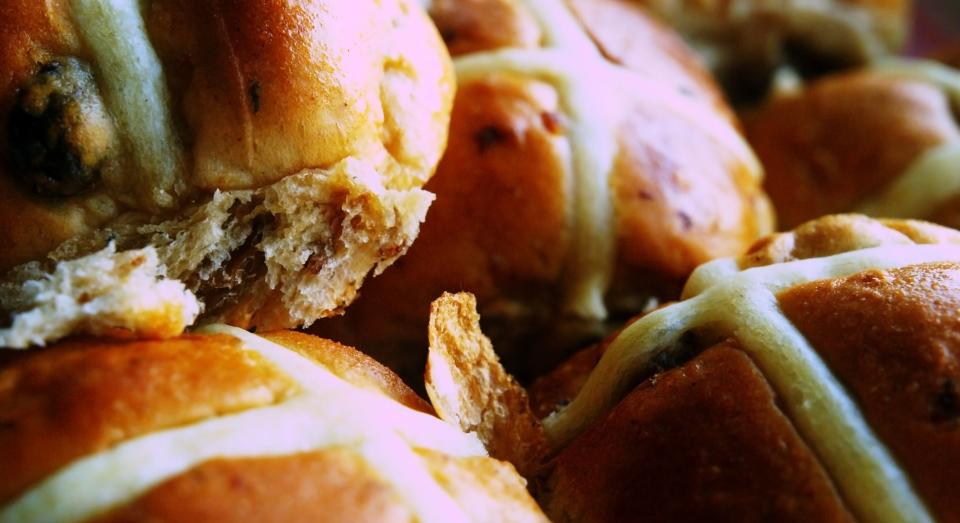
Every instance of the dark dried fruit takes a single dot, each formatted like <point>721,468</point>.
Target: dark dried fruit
<point>490,136</point>
<point>59,132</point>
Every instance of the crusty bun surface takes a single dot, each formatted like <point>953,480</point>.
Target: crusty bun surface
<point>849,326</point>
<point>701,442</point>
<point>883,141</point>
<point>272,153</point>
<point>230,426</point>
<point>592,164</point>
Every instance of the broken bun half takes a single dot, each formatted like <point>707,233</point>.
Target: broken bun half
<point>267,156</point>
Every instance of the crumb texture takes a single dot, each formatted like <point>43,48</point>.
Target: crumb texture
<point>97,294</point>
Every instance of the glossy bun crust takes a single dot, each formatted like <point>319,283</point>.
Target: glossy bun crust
<point>83,397</point>
<point>705,434</point>
<point>515,222</point>
<point>706,442</point>
<point>841,142</point>
<point>317,120</point>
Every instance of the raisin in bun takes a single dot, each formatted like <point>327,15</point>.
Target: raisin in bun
<point>883,141</point>
<point>813,379</point>
<point>268,155</point>
<point>592,165</point>
<point>230,426</point>
<point>748,43</point>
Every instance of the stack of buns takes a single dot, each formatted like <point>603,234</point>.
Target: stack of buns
<point>562,207</point>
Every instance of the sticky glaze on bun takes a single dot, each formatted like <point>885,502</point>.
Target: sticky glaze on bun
<point>230,426</point>
<point>592,165</point>
<point>268,155</point>
<point>884,141</point>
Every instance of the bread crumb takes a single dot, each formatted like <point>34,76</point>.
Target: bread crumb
<point>98,294</point>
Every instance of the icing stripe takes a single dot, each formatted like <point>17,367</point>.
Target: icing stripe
<point>328,412</point>
<point>589,264</point>
<point>931,181</point>
<point>135,91</point>
<point>743,305</point>
<point>944,77</point>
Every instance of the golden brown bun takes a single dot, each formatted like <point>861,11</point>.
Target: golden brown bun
<point>506,225</point>
<point>879,330</point>
<point>745,42</point>
<point>702,442</point>
<point>88,398</point>
<point>885,327</point>
<point>315,120</point>
<point>846,138</point>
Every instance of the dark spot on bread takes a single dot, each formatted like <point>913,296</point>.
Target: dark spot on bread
<point>255,96</point>
<point>490,136</point>
<point>946,404</point>
<point>449,35</point>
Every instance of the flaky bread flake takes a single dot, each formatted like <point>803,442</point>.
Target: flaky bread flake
<point>469,388</point>
<point>99,293</point>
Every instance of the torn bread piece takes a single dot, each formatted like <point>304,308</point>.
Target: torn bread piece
<point>98,294</point>
<point>469,388</point>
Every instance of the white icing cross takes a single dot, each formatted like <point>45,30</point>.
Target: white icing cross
<point>328,411</point>
<point>594,93</point>
<point>135,91</point>
<point>723,301</point>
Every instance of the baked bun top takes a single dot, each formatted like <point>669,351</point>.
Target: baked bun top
<point>217,132</point>
<point>587,146</point>
<point>837,315</point>
<point>704,438</point>
<point>881,140</point>
<point>229,426</point>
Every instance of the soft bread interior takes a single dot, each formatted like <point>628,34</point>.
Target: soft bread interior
<point>98,293</point>
<point>308,242</point>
